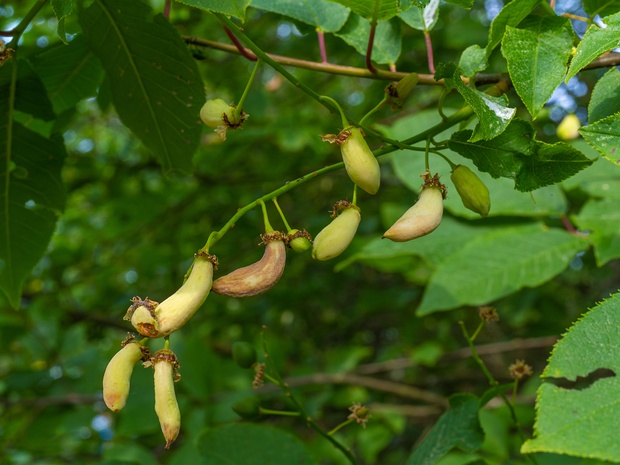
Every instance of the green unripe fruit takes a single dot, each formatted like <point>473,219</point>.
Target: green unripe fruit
<point>243,354</point>
<point>217,112</point>
<point>299,241</point>
<point>361,165</point>
<point>568,129</point>
<point>337,235</point>
<point>248,408</point>
<point>473,192</point>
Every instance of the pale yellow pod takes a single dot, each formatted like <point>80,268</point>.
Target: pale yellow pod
<point>166,406</point>
<point>158,320</point>
<point>117,376</point>
<point>421,219</point>
<point>337,235</point>
<point>361,165</point>
<point>258,277</point>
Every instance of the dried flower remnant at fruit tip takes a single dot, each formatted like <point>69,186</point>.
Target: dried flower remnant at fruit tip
<point>488,313</point>
<point>259,377</point>
<point>359,413</point>
<point>520,370</point>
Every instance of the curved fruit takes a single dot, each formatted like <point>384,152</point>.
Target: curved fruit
<point>299,241</point>
<point>337,235</point>
<point>165,365</point>
<point>361,165</point>
<point>260,276</point>
<point>157,320</point>
<point>473,191</point>
<point>117,376</point>
<point>423,217</point>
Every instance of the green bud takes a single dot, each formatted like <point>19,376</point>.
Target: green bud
<point>214,111</point>
<point>299,241</point>
<point>473,192</point>
<point>248,408</point>
<point>243,354</point>
<point>399,91</point>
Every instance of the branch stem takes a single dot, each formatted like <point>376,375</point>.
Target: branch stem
<point>23,24</point>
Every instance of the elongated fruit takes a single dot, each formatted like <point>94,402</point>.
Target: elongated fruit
<point>166,407</point>
<point>260,276</point>
<point>337,235</point>
<point>423,217</point>
<point>117,376</point>
<point>157,320</point>
<point>361,165</point>
<point>473,192</point>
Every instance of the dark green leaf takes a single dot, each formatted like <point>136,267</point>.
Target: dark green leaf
<point>493,114</point>
<point>386,46</point>
<point>32,197</point>
<point>326,15</point>
<point>601,7</point>
<point>498,263</point>
<point>30,94</point>
<point>378,10</point>
<point>467,4</point>
<point>549,165</point>
<point>473,60</point>
<point>70,73</point>
<point>154,81</point>
<point>511,15</point>
<point>601,218</point>
<point>262,445</point>
<point>605,98</point>
<point>604,136</point>
<point>537,53</point>
<point>235,8</point>
<point>596,41</point>
<point>458,427</point>
<point>577,414</point>
<point>422,19</point>
<point>62,9</point>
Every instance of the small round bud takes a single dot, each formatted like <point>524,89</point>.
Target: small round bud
<point>215,112</point>
<point>474,193</point>
<point>299,241</point>
<point>243,354</point>
<point>568,129</point>
<point>248,408</point>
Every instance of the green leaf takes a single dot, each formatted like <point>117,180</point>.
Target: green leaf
<point>601,7</point>
<point>596,41</point>
<point>604,136</point>
<point>378,10</point>
<point>511,15</point>
<point>235,8</point>
<point>498,263</point>
<point>493,113</point>
<point>154,81</point>
<point>467,4</point>
<point>551,164</point>
<point>261,445</point>
<point>537,54</point>
<point>70,73</point>
<point>422,19</point>
<point>578,405</point>
<point>457,427</point>
<point>473,60</point>
<point>326,15</point>
<point>386,46</point>
<point>605,98</point>
<point>30,94</point>
<point>601,218</point>
<point>62,9</point>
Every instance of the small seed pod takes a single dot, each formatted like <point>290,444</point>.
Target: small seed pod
<point>220,116</point>
<point>337,235</point>
<point>473,192</point>
<point>299,241</point>
<point>361,165</point>
<point>117,376</point>
<point>165,367</point>
<point>157,320</point>
<point>397,92</point>
<point>260,276</point>
<point>424,216</point>
<point>243,354</point>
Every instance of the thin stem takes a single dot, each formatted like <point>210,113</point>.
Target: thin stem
<point>578,18</point>
<point>429,51</point>
<point>371,41</point>
<point>239,45</point>
<point>377,107</point>
<point>340,426</point>
<point>263,207</point>
<point>452,165</point>
<point>354,201</point>
<point>277,379</point>
<point>552,4</point>
<point>283,413</point>
<point>514,392</point>
<point>478,329</point>
<point>167,6</point>
<point>345,121</point>
<point>167,342</point>
<point>275,202</point>
<point>246,91</point>
<point>321,36</point>
<point>426,160</point>
<point>23,24</point>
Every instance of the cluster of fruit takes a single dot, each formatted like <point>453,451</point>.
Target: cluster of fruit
<point>154,320</point>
